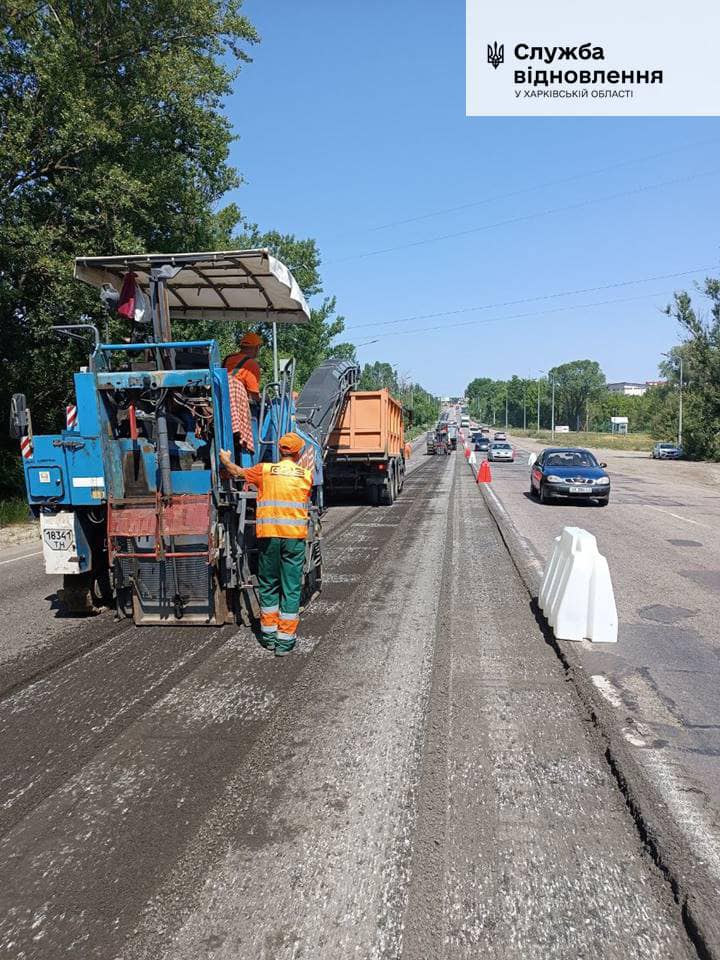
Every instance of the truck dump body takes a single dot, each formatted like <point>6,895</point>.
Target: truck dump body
<point>371,425</point>
<point>365,449</point>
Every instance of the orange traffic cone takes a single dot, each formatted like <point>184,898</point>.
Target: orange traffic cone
<point>484,475</point>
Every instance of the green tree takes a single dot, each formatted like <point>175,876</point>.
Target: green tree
<point>377,375</point>
<point>310,344</point>
<point>700,352</point>
<point>112,140</point>
<point>576,384</point>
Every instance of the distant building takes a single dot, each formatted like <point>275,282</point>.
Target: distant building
<point>627,389</point>
<point>656,383</point>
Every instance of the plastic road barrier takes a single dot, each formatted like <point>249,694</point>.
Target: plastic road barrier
<point>576,595</point>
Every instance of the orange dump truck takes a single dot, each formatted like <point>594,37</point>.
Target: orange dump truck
<point>365,448</point>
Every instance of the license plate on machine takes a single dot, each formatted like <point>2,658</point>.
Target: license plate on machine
<point>587,489</point>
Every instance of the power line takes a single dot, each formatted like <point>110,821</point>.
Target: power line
<point>517,316</point>
<point>528,216</point>
<point>541,186</point>
<point>513,303</point>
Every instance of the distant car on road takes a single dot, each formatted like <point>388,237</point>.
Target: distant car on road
<point>570,474</point>
<point>500,436</point>
<point>480,442</point>
<point>500,451</point>
<point>667,451</point>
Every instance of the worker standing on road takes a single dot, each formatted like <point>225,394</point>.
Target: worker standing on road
<point>281,528</point>
<point>244,365</point>
<point>408,451</point>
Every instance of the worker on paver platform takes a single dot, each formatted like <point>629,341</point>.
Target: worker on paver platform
<point>244,365</point>
<point>281,528</point>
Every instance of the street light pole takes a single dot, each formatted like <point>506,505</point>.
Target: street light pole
<point>680,411</point>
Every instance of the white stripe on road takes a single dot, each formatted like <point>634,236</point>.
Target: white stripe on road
<point>25,556</point>
<point>676,515</point>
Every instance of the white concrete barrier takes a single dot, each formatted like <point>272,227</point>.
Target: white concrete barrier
<point>576,595</point>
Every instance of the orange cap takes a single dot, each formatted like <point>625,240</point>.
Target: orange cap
<point>251,339</point>
<point>291,443</point>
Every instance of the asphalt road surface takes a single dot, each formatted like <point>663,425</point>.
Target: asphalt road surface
<point>418,781</point>
<point>660,536</point>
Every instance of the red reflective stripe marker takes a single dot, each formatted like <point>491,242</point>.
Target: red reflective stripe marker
<point>26,447</point>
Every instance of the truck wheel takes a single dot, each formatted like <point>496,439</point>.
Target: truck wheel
<point>386,494</point>
<point>373,494</point>
<point>80,594</point>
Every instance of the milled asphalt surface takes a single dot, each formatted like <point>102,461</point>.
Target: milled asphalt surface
<point>419,780</point>
<point>659,534</point>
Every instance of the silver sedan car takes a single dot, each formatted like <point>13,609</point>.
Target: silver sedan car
<point>500,450</point>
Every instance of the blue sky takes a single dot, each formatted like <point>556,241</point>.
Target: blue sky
<point>352,117</point>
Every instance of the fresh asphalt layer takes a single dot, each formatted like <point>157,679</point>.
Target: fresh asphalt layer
<point>659,534</point>
<point>419,780</point>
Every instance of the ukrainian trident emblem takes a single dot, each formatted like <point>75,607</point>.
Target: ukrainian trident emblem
<point>496,54</point>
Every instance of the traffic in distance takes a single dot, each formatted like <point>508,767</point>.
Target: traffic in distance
<point>568,473</point>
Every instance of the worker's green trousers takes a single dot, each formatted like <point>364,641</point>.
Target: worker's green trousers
<point>280,577</point>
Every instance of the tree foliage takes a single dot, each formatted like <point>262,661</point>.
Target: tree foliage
<point>700,352</point>
<point>310,344</point>
<point>112,140</point>
<point>421,408</point>
<point>576,384</point>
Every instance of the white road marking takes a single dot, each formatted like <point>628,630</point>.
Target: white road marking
<point>25,556</point>
<point>607,689</point>
<point>676,515</point>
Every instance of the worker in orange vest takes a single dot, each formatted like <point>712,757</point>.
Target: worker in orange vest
<point>281,527</point>
<point>244,365</point>
<point>408,451</point>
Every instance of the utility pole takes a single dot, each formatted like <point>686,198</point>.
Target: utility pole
<point>680,410</point>
<point>506,408</point>
<point>538,399</point>
<point>552,421</point>
<point>524,406</point>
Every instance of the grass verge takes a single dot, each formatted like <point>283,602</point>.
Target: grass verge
<point>606,441</point>
<point>13,512</point>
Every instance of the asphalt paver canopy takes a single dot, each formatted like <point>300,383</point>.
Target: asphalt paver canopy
<point>239,285</point>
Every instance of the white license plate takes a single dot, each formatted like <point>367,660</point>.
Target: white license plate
<point>587,489</point>
<point>58,539</point>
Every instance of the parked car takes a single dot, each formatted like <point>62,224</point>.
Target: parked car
<point>431,442</point>
<point>500,436</point>
<point>500,451</point>
<point>667,451</point>
<point>569,474</point>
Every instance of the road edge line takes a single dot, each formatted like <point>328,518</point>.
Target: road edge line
<point>665,843</point>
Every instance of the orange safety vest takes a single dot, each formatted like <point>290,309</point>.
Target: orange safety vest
<point>283,500</point>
